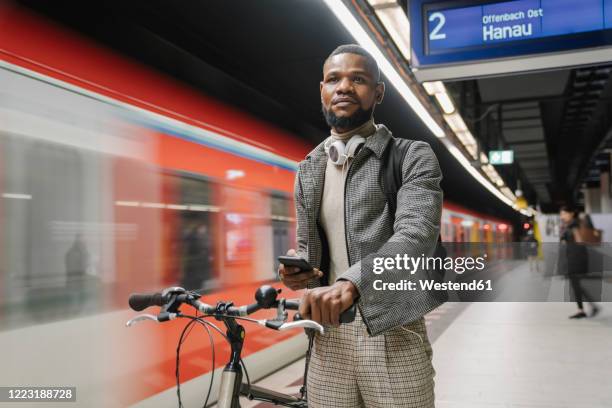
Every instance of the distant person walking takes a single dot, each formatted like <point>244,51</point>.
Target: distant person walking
<point>530,248</point>
<point>575,259</point>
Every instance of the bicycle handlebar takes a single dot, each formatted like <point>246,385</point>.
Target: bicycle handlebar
<point>171,298</point>
<point>141,301</point>
<point>265,296</point>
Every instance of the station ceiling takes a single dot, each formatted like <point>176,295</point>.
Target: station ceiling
<point>557,123</point>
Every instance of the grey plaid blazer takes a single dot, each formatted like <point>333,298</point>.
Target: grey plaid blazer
<point>368,224</point>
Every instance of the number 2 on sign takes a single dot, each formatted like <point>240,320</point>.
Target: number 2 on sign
<point>435,33</point>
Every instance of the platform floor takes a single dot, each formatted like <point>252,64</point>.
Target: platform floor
<point>509,355</point>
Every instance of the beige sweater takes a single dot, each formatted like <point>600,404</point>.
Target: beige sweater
<point>332,206</point>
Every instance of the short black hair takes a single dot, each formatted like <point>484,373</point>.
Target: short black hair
<point>570,208</point>
<point>358,50</point>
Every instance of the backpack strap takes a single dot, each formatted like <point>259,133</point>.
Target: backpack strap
<point>391,170</point>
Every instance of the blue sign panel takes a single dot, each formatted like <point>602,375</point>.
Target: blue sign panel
<point>454,31</point>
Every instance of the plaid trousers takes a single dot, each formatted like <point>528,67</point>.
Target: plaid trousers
<point>349,368</point>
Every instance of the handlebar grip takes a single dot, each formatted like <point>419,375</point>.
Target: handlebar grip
<point>292,304</point>
<point>140,301</point>
<point>348,316</point>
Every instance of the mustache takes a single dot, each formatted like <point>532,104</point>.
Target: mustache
<point>343,98</point>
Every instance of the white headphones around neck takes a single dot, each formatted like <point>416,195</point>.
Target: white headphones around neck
<point>339,153</point>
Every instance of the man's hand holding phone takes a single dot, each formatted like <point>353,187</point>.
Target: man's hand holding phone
<point>293,276</point>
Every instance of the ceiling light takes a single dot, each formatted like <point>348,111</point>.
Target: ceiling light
<point>508,193</point>
<point>395,21</point>
<point>382,2</point>
<point>466,137</point>
<point>434,87</point>
<point>445,102</point>
<point>456,123</point>
<point>473,150</point>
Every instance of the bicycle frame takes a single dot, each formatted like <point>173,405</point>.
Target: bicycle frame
<point>231,379</point>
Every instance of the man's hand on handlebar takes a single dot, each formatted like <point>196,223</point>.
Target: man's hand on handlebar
<point>293,278</point>
<point>325,304</point>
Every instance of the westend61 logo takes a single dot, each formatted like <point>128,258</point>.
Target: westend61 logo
<point>412,264</point>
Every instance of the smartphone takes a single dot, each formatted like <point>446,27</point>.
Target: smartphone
<point>295,261</point>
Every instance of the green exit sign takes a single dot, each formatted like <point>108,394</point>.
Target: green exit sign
<point>501,157</point>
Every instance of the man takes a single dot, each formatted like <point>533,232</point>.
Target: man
<point>383,359</point>
<point>575,259</point>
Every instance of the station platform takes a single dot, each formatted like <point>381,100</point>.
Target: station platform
<point>508,355</point>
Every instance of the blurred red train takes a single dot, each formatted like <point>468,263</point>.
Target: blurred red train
<point>116,179</point>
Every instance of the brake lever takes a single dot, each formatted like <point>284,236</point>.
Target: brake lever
<point>306,324</point>
<point>162,317</point>
<point>141,318</point>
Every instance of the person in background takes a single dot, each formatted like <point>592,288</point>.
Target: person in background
<point>197,256</point>
<point>575,259</point>
<point>77,260</point>
<point>530,246</point>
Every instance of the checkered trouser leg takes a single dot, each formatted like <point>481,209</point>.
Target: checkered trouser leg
<point>349,369</point>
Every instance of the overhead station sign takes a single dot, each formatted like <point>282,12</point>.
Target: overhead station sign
<point>455,32</point>
<point>518,20</point>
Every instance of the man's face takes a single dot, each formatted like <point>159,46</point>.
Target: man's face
<point>566,216</point>
<point>349,91</point>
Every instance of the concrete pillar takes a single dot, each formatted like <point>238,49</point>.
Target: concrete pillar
<point>592,200</point>
<point>606,202</point>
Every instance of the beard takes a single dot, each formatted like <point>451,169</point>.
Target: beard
<point>347,123</point>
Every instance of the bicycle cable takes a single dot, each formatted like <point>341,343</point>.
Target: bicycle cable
<point>199,319</point>
<point>177,373</point>
<point>212,374</point>
<point>248,319</point>
<point>182,339</point>
<point>246,373</point>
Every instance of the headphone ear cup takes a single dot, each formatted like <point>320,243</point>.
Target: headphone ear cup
<point>336,152</point>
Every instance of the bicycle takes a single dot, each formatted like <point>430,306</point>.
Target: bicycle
<point>231,387</point>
